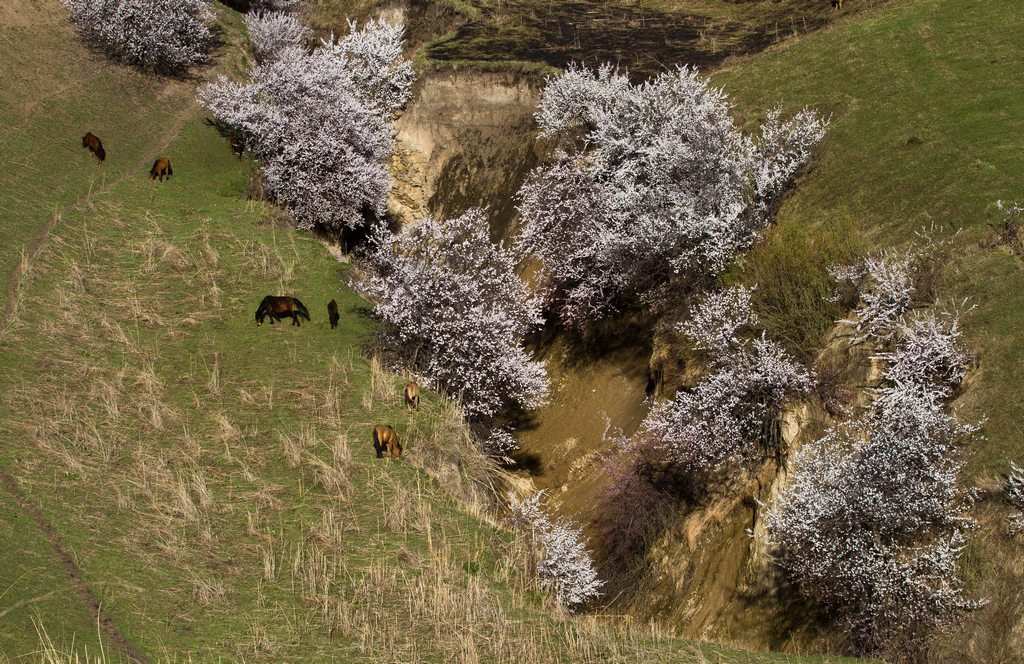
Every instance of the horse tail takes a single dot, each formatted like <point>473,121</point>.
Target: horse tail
<point>170,171</point>
<point>301,308</point>
<point>101,154</point>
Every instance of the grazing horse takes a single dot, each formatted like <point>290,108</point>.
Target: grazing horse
<point>95,146</point>
<point>332,313</point>
<point>237,146</point>
<point>412,396</point>
<point>278,307</point>
<point>161,167</point>
<point>385,441</point>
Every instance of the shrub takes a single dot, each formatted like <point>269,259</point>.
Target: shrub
<point>564,566</point>
<point>165,37</point>
<point>321,124</point>
<point>725,417</point>
<point>455,303</point>
<point>928,353</point>
<point>871,529</point>
<point>650,181</point>
<point>499,443</point>
<point>1015,496</point>
<point>885,286</point>
<point>889,284</point>
<point>790,268</point>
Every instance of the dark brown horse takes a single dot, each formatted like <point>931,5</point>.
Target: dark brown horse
<point>95,146</point>
<point>237,146</point>
<point>278,307</point>
<point>332,313</point>
<point>161,167</point>
<point>385,441</point>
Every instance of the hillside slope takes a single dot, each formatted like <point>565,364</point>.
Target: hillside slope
<point>179,483</point>
<point>925,133</point>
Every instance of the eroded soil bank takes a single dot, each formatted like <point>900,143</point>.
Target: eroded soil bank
<point>466,140</point>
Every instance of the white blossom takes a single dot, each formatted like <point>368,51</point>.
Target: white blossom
<point>271,32</point>
<point>887,296</point>
<point>715,322</point>
<point>928,353</point>
<point>379,71</point>
<point>1015,496</point>
<point>565,566</point>
<point>650,181</point>
<point>872,527</point>
<point>1013,210</point>
<point>167,37</point>
<point>321,124</point>
<point>455,302</point>
<point>727,416</point>
<point>499,442</point>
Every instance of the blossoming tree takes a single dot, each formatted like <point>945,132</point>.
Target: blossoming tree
<point>649,181</point>
<point>166,37</point>
<point>321,123</point>
<point>457,305</point>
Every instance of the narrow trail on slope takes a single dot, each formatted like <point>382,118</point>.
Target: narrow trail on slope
<point>39,239</point>
<point>110,630</point>
<point>14,278</point>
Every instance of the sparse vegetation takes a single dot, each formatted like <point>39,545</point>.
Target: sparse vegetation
<point>1015,496</point>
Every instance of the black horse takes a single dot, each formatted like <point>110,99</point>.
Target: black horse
<point>332,313</point>
<point>281,306</point>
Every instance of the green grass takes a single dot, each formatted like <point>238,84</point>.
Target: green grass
<point>926,131</point>
<point>35,586</point>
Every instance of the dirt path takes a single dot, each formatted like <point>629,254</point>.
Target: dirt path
<point>110,630</point>
<point>14,277</point>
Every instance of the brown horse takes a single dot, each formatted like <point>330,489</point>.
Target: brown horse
<point>332,313</point>
<point>412,396</point>
<point>95,146</point>
<point>385,440</point>
<point>237,146</point>
<point>161,167</point>
<point>278,307</point>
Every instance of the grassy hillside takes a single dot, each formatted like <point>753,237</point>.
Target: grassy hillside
<point>926,132</point>
<point>179,483</point>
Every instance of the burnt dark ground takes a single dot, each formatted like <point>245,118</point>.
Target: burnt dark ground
<point>646,40</point>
